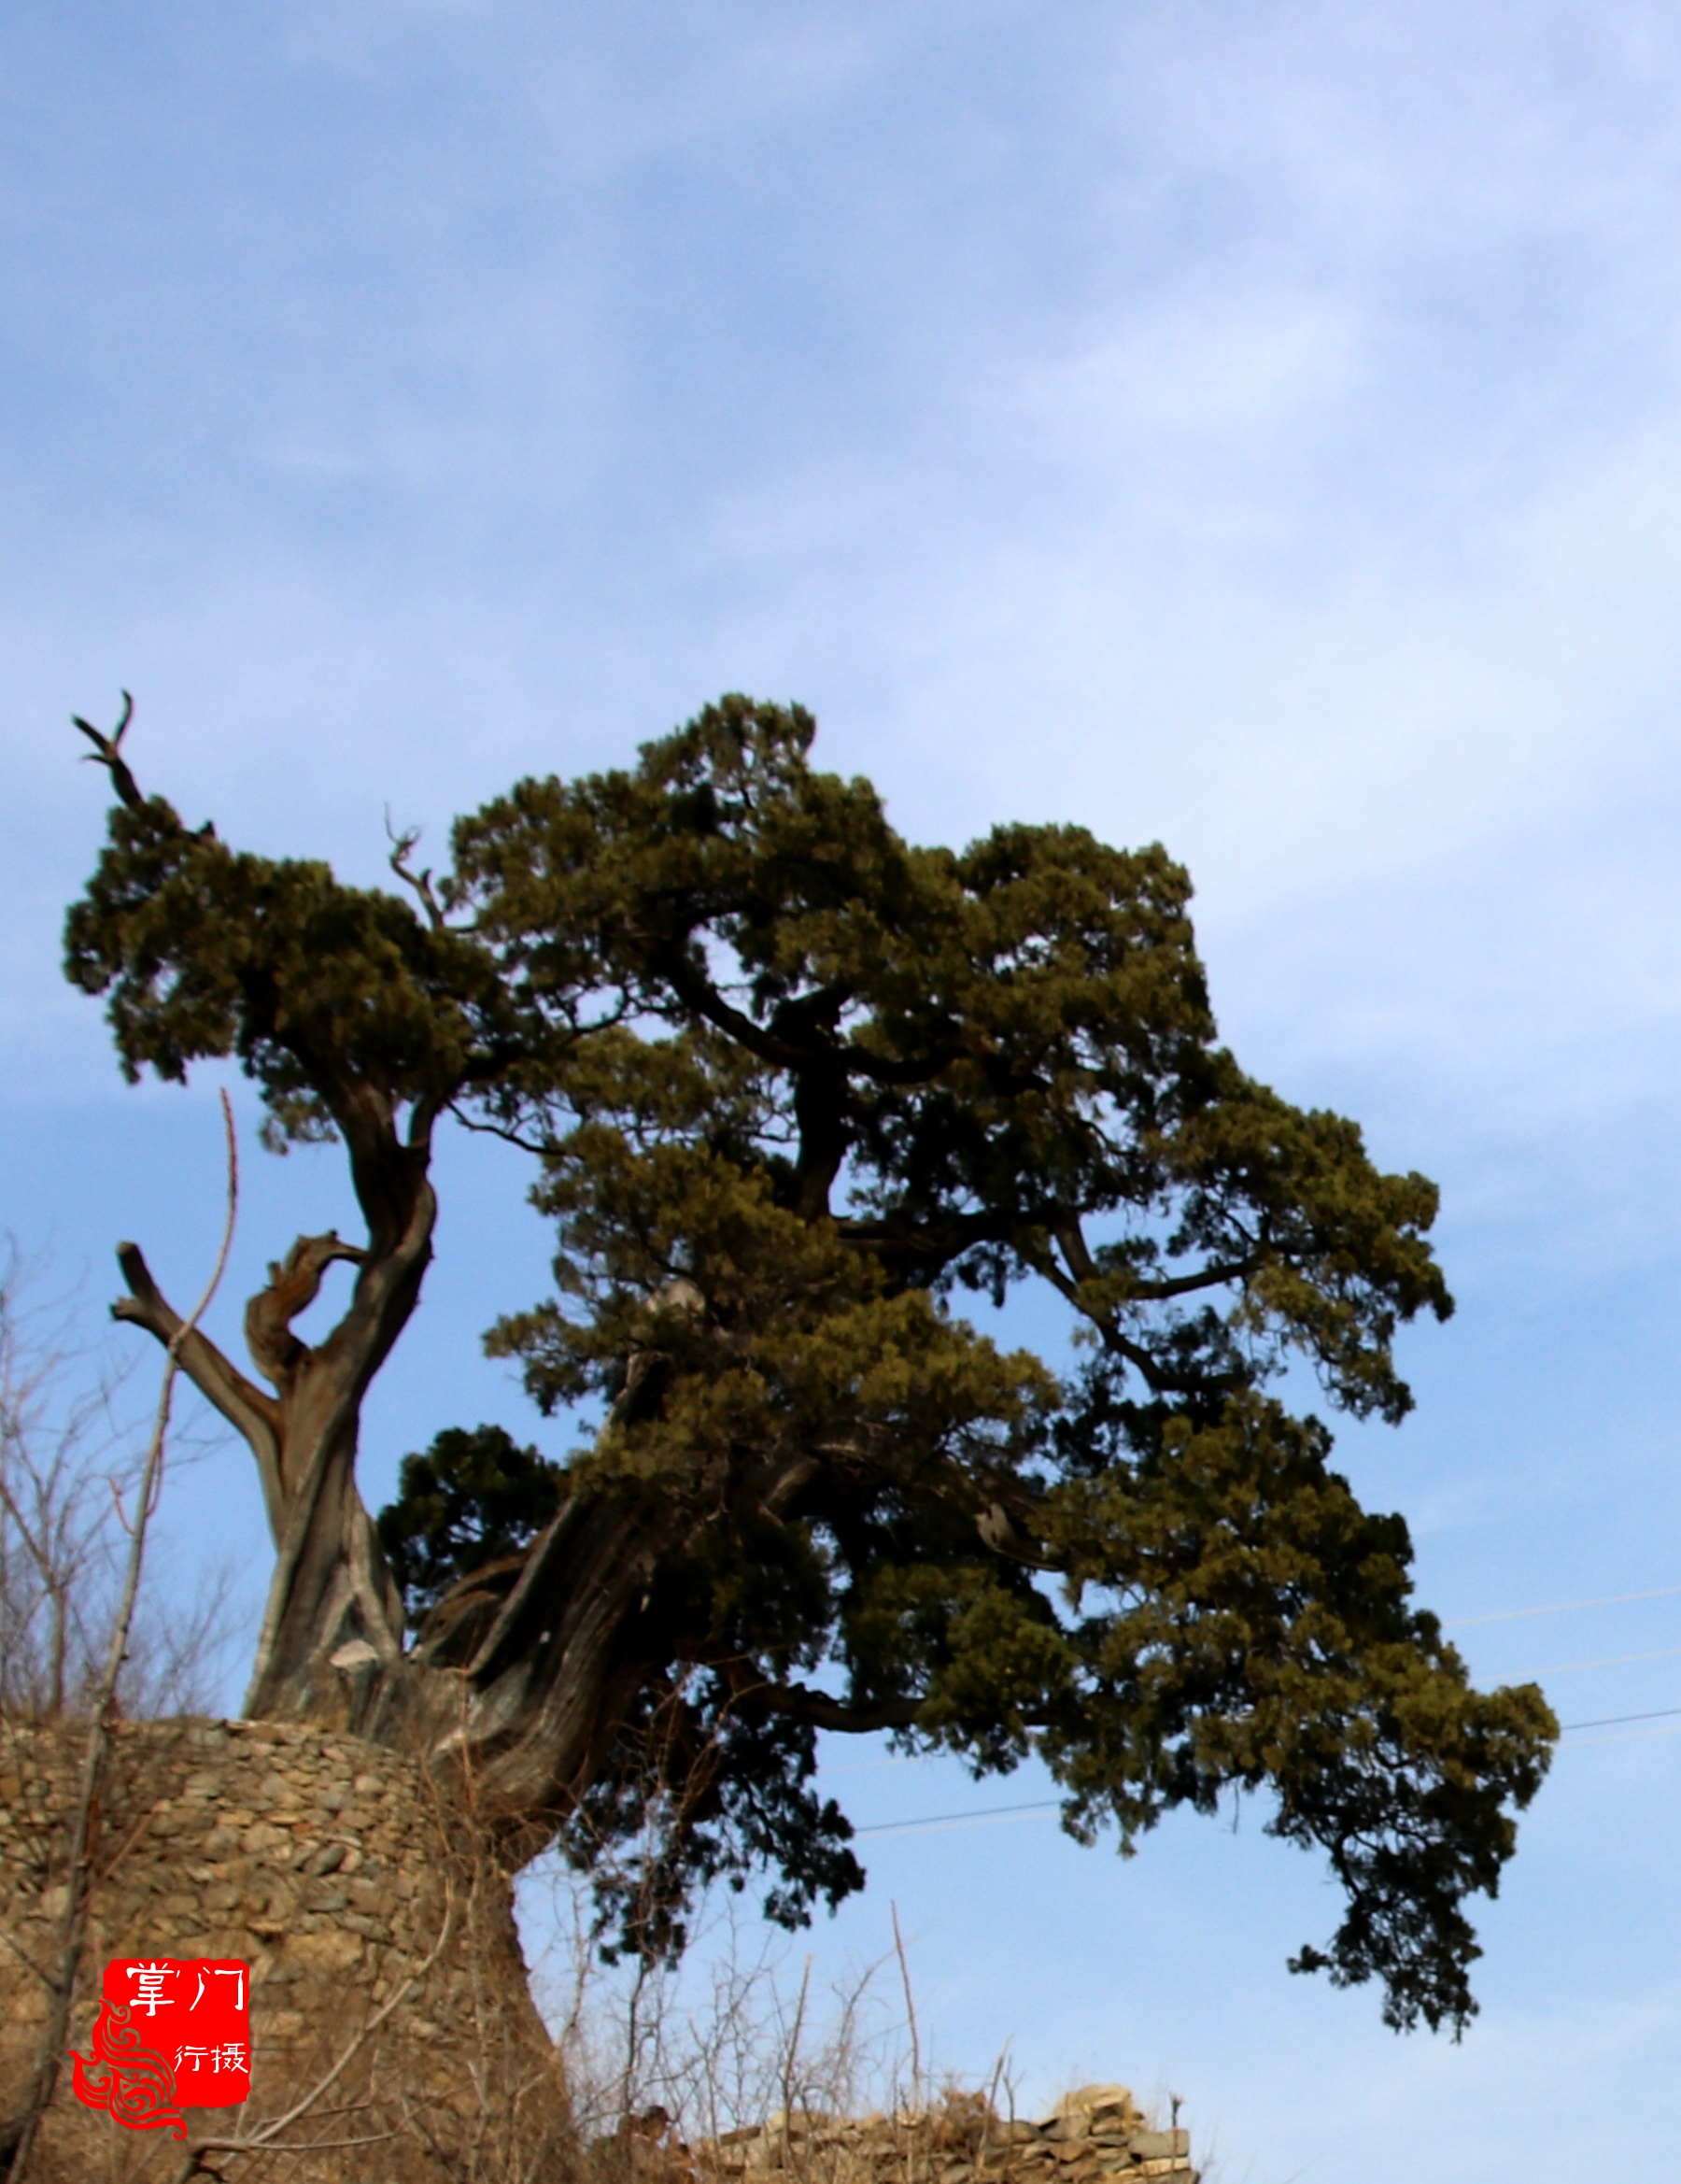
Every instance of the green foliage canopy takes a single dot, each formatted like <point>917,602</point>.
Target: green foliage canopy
<point>798,1088</point>
<point>855,1079</point>
<point>472,1501</point>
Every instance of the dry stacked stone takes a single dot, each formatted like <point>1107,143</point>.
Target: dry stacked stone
<point>331,1867</point>
<point>1098,2132</point>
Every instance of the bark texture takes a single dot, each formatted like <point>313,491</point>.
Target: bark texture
<point>523,1671</point>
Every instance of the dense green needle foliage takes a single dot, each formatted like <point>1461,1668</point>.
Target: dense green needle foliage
<point>797,1091</point>
<point>473,1499</point>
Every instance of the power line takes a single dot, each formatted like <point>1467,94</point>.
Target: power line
<point>1610,1721</point>
<point>1621,1737</point>
<point>933,1819</point>
<point>900,1827</point>
<point>1563,1607</point>
<point>905,1827</point>
<point>1611,1661</point>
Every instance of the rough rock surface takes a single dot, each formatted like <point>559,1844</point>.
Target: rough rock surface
<point>333,1867</point>
<point>330,1865</point>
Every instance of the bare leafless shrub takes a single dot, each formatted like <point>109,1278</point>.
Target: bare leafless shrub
<point>61,1973</point>
<point>665,2050</point>
<point>71,1451</point>
<point>730,2065</point>
<point>724,2038</point>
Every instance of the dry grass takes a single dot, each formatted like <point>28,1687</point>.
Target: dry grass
<point>663,2063</point>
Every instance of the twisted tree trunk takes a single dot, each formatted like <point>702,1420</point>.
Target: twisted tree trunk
<point>525,1670</point>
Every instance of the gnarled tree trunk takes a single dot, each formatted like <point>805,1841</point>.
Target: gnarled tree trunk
<point>526,1669</point>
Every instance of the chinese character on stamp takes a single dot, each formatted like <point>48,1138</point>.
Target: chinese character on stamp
<point>172,2033</point>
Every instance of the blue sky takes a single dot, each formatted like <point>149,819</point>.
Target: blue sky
<point>1256,428</point>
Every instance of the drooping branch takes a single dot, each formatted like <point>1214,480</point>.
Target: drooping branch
<point>1109,1328</point>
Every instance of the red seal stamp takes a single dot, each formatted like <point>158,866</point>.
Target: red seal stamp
<point>172,2033</point>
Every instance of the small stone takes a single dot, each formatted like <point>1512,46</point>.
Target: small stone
<point>1095,2099</point>
<point>327,1951</point>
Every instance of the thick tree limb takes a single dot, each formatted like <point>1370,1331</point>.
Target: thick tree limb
<point>802,1704</point>
<point>856,1060</point>
<point>293,1284</point>
<point>1070,1239</point>
<point>1213,1277</point>
<point>253,1412</point>
<point>930,1245</point>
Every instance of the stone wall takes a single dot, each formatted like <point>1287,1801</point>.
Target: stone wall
<point>1096,2134</point>
<point>333,1867</point>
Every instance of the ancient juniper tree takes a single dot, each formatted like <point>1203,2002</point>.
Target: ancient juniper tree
<point>792,1089</point>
